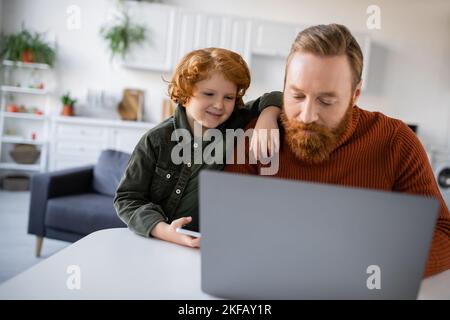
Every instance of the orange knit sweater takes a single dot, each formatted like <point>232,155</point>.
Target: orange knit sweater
<point>375,152</point>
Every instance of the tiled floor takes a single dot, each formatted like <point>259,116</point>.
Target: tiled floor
<point>16,246</point>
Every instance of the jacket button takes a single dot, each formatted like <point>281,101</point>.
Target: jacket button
<point>178,191</point>
<point>195,145</point>
<point>189,164</point>
<point>168,176</point>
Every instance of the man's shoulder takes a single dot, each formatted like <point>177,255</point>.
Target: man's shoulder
<point>380,124</point>
<point>387,133</point>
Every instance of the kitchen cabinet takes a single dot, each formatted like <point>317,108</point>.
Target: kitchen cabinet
<point>188,30</point>
<point>79,141</point>
<point>125,139</point>
<point>198,30</point>
<point>237,37</point>
<point>273,38</point>
<point>175,31</point>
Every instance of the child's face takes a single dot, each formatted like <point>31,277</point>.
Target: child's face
<point>212,101</point>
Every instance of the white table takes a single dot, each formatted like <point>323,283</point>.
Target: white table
<point>117,264</point>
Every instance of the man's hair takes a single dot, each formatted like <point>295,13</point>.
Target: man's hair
<point>330,40</point>
<point>199,64</point>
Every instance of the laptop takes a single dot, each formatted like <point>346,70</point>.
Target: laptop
<point>269,238</point>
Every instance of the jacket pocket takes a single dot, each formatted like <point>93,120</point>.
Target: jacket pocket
<point>162,184</point>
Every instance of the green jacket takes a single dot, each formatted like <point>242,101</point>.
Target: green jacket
<point>152,185</point>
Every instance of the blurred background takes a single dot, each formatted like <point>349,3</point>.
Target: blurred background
<point>79,77</point>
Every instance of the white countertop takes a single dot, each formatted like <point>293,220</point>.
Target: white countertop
<point>105,122</point>
<point>118,264</point>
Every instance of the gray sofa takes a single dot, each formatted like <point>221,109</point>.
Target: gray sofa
<point>69,204</point>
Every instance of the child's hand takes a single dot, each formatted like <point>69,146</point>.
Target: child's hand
<point>266,138</point>
<point>168,232</point>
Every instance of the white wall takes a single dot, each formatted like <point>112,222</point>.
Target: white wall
<point>409,70</point>
<point>1,6</point>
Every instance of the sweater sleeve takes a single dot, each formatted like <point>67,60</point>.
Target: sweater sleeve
<point>414,175</point>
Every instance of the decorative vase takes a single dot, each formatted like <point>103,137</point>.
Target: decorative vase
<point>27,56</point>
<point>67,110</point>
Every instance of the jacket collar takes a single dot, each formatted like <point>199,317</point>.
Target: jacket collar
<point>180,120</point>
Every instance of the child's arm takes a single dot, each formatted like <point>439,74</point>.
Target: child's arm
<point>133,199</point>
<point>167,232</point>
<point>270,99</point>
<point>265,140</point>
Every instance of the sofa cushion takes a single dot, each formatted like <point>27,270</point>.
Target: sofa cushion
<point>108,171</point>
<point>82,213</point>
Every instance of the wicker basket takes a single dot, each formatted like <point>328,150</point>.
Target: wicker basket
<point>25,153</point>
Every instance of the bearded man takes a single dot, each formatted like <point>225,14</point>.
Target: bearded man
<point>326,138</point>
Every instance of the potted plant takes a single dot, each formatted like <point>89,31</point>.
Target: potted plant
<point>68,105</point>
<point>27,47</point>
<point>40,50</point>
<point>122,34</point>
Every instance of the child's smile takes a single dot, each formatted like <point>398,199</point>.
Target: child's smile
<point>213,101</point>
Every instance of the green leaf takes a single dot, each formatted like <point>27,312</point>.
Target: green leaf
<point>122,35</point>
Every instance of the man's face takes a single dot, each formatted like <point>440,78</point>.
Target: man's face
<point>317,103</point>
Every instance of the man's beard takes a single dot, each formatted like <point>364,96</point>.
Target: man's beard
<point>314,147</point>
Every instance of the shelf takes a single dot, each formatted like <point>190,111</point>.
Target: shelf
<point>22,115</point>
<point>21,140</point>
<point>35,122</point>
<point>17,166</point>
<point>13,89</point>
<point>19,64</point>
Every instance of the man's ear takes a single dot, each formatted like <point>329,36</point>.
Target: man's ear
<point>357,93</point>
